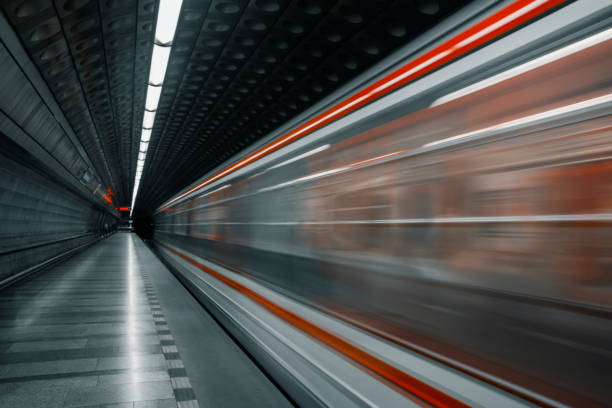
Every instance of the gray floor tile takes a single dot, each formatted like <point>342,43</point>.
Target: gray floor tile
<point>122,340</point>
<point>134,325</point>
<point>135,361</point>
<point>26,333</point>
<point>112,329</point>
<point>85,381</point>
<point>113,393</point>
<point>26,395</point>
<point>49,367</point>
<point>4,369</point>
<point>47,345</point>
<point>79,353</point>
<point>117,318</point>
<point>134,377</point>
<point>166,403</point>
<point>117,405</point>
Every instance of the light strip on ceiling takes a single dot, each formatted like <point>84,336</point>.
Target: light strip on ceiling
<point>153,94</point>
<point>167,20</point>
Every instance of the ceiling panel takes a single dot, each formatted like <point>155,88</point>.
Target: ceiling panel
<point>238,70</point>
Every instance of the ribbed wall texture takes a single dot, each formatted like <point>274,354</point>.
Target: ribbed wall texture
<point>40,218</point>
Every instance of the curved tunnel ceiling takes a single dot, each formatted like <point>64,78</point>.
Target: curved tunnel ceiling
<point>238,70</point>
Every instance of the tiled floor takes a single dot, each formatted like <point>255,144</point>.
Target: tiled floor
<point>90,333</point>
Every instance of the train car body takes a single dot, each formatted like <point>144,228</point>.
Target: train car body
<point>470,220</point>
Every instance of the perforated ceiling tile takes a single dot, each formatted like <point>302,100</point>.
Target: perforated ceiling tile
<point>88,53</point>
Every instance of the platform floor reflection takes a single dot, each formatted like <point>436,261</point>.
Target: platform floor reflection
<point>91,332</point>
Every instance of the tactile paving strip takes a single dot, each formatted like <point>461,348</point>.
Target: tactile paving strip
<point>183,392</point>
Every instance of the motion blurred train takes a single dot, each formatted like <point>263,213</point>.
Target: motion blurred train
<point>465,217</point>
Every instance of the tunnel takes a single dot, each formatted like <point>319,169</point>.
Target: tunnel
<point>309,203</point>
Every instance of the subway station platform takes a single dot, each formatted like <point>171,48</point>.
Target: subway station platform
<point>313,203</point>
<point>112,327</point>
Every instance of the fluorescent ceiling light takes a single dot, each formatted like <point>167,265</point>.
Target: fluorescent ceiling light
<point>153,93</point>
<point>147,120</point>
<point>145,135</point>
<point>159,63</point>
<point>167,20</point>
